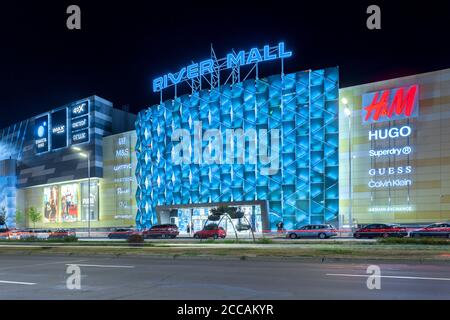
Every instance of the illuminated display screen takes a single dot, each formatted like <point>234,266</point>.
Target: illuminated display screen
<point>59,129</point>
<point>41,134</point>
<point>69,202</point>
<point>51,205</point>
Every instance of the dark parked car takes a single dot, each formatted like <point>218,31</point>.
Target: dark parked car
<point>433,230</point>
<point>377,230</point>
<point>121,233</point>
<point>5,233</point>
<point>61,234</point>
<point>161,231</point>
<point>211,231</point>
<point>321,231</point>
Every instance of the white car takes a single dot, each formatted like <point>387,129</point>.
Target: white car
<point>26,234</point>
<point>18,234</point>
<point>321,231</point>
<point>41,234</point>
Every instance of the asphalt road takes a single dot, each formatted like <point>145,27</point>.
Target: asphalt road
<point>44,277</point>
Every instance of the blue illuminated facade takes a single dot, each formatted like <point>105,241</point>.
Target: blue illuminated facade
<point>303,106</point>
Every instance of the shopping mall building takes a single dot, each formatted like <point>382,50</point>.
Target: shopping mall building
<point>44,167</point>
<point>288,147</point>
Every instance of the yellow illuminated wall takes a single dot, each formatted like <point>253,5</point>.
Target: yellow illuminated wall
<point>427,199</point>
<point>118,196</point>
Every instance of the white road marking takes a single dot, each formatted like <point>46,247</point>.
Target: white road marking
<point>41,264</point>
<point>17,282</point>
<point>99,265</point>
<point>392,277</point>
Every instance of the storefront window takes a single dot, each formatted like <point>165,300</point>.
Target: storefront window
<point>191,220</point>
<point>51,204</point>
<point>89,203</point>
<point>69,202</point>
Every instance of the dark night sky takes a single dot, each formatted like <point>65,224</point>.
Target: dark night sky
<point>123,45</point>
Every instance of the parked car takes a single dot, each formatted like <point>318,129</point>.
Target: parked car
<point>14,234</point>
<point>40,233</point>
<point>17,234</point>
<point>121,233</point>
<point>161,231</point>
<point>321,231</point>
<point>211,231</point>
<point>381,230</point>
<point>4,233</point>
<point>433,230</point>
<point>61,234</point>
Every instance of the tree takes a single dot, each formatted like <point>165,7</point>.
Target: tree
<point>221,212</point>
<point>3,216</point>
<point>217,214</point>
<point>19,217</point>
<point>35,215</point>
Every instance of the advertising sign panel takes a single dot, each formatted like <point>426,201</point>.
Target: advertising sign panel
<point>80,109</point>
<point>51,198</point>
<point>79,118</point>
<point>59,129</point>
<point>41,134</point>
<point>390,104</point>
<point>80,136</point>
<point>80,123</point>
<point>69,202</point>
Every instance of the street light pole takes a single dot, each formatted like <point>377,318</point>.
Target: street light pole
<point>89,194</point>
<point>350,195</point>
<point>87,155</point>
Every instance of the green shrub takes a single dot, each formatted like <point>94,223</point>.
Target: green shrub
<point>427,241</point>
<point>70,239</point>
<point>232,241</point>
<point>264,241</point>
<point>135,238</point>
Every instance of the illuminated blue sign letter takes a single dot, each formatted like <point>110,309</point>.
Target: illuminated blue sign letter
<point>192,71</point>
<point>281,51</point>
<point>235,60</point>
<point>158,84</point>
<point>175,79</point>
<point>206,67</point>
<point>267,55</point>
<point>254,56</point>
